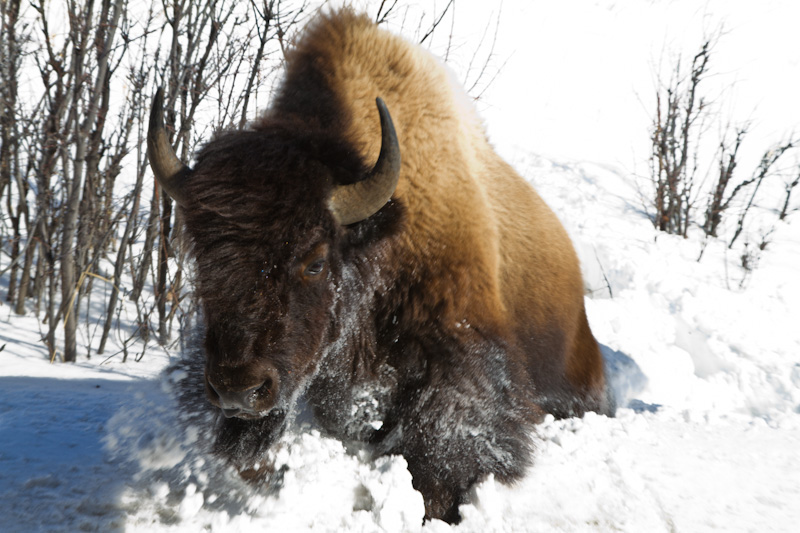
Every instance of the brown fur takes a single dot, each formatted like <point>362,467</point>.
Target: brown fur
<point>457,308</point>
<point>472,221</point>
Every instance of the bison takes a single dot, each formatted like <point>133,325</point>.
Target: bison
<point>387,266</point>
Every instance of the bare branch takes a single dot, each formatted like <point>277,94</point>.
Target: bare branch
<point>768,160</point>
<point>437,21</point>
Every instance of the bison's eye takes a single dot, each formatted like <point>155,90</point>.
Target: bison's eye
<point>315,268</point>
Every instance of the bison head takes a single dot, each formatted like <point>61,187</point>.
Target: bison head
<point>268,214</point>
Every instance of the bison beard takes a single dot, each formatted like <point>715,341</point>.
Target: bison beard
<point>387,266</point>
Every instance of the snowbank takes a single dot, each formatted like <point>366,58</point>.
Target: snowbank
<point>705,437</point>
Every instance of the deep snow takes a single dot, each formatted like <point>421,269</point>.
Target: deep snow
<point>707,439</point>
<point>707,372</point>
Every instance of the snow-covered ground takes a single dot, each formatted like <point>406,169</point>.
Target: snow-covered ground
<point>707,372</point>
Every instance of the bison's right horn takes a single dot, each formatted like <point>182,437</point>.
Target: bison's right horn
<point>355,202</point>
<point>169,170</point>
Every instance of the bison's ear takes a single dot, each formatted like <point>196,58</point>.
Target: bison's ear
<point>169,170</point>
<point>358,201</point>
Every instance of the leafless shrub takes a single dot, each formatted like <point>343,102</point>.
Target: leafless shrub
<point>677,128</point>
<point>765,167</point>
<point>718,203</point>
<point>678,141</point>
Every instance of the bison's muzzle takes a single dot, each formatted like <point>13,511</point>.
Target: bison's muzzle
<point>244,401</point>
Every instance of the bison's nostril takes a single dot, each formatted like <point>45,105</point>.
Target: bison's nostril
<point>266,388</point>
<point>248,397</point>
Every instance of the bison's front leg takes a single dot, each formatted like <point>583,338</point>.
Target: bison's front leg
<point>442,497</point>
<point>464,424</point>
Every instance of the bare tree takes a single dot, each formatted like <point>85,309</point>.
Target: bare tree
<point>15,167</point>
<point>84,121</point>
<point>139,77</point>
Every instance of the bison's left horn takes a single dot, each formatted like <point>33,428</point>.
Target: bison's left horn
<point>358,201</point>
<point>167,167</point>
